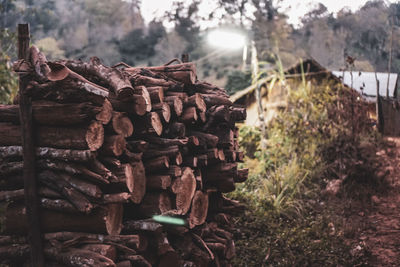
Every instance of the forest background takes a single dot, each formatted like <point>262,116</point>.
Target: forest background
<point>116,31</point>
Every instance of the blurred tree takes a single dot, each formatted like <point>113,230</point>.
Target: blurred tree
<point>237,80</point>
<point>186,21</point>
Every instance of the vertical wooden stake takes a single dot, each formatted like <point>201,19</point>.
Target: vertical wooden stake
<point>29,172</point>
<point>185,58</point>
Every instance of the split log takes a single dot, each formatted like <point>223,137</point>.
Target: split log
<point>67,78</point>
<point>184,72</point>
<point>105,219</point>
<point>52,113</point>
<point>133,179</point>
<point>189,115</point>
<point>114,145</point>
<point>114,78</point>
<point>138,79</point>
<point>58,183</point>
<point>199,210</point>
<point>156,182</point>
<point>196,101</point>
<point>139,185</point>
<point>150,123</point>
<point>163,110</point>
<point>184,187</point>
<point>175,104</point>
<point>142,91</point>
<point>89,137</point>
<point>156,94</point>
<point>120,124</point>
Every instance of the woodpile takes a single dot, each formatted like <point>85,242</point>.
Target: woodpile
<point>115,148</point>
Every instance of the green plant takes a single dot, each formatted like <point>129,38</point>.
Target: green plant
<point>8,80</point>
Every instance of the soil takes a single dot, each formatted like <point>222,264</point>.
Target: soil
<point>372,227</point>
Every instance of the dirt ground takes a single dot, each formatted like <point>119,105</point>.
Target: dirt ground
<point>382,237</point>
<point>376,225</point>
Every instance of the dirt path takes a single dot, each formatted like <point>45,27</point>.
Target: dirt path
<point>382,234</point>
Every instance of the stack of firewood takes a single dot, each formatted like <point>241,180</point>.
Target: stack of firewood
<point>115,147</point>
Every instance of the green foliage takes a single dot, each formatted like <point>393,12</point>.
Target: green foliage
<point>249,140</point>
<point>293,157</point>
<point>237,80</point>
<point>8,80</point>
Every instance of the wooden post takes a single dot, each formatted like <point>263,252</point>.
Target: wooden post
<point>379,113</point>
<point>29,172</point>
<point>185,58</point>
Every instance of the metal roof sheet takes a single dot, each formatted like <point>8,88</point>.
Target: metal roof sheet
<point>365,82</point>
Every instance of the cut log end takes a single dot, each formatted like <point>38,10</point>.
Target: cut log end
<point>104,116</point>
<point>156,123</point>
<point>113,219</point>
<point>198,213</point>
<point>95,136</point>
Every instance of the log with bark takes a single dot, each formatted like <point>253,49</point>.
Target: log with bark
<point>90,136</point>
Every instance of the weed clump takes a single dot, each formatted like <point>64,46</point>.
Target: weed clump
<point>317,137</point>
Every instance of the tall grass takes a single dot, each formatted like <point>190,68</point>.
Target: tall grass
<point>292,167</point>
